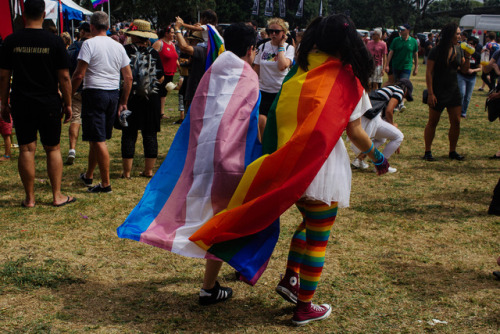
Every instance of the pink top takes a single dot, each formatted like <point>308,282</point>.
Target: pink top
<point>378,50</point>
<point>168,57</point>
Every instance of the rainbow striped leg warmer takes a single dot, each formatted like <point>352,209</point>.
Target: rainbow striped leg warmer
<point>308,246</point>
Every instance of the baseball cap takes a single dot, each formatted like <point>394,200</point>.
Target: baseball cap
<point>405,26</point>
<point>409,88</point>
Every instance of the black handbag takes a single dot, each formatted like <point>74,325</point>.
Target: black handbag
<point>425,96</point>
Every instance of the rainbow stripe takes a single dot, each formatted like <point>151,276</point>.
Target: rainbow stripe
<point>205,162</point>
<point>96,3</point>
<point>215,45</point>
<point>311,113</point>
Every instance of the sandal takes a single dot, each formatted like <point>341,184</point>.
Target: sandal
<point>68,200</point>
<point>142,174</point>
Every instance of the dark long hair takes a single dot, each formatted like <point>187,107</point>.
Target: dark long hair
<point>337,36</point>
<point>445,43</point>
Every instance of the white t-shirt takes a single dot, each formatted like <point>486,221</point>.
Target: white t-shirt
<point>270,78</point>
<point>106,58</point>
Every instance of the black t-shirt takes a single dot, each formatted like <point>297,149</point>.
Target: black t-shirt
<point>198,61</point>
<point>34,56</point>
<point>427,48</point>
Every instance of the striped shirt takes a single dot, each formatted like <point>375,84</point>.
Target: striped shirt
<point>391,92</point>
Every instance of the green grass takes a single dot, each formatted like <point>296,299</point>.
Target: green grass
<point>413,246</point>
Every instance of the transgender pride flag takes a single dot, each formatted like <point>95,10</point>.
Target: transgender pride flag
<point>205,163</point>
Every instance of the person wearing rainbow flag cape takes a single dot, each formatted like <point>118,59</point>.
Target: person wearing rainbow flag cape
<point>225,199</point>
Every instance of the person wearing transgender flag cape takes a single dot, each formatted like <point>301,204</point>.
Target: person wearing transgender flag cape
<point>206,160</point>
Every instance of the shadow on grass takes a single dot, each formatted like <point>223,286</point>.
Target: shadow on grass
<point>445,205</point>
<point>434,282</point>
<point>153,306</point>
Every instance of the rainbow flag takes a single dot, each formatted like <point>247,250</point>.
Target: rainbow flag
<point>310,114</point>
<point>96,3</point>
<point>215,45</point>
<point>205,162</point>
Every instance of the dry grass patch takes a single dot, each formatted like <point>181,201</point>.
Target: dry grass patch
<point>414,246</point>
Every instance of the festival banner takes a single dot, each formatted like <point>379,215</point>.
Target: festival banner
<point>300,10</point>
<point>215,45</point>
<point>269,9</point>
<point>255,7</point>
<point>282,8</point>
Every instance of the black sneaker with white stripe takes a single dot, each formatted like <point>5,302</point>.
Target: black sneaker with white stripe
<point>215,295</point>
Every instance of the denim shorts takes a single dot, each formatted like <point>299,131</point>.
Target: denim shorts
<point>401,74</point>
<point>99,108</point>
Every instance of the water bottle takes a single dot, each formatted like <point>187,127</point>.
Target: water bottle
<point>467,48</point>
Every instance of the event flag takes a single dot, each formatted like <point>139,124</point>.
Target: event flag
<point>269,9</point>
<point>304,124</point>
<point>96,3</point>
<point>300,10</point>
<point>208,156</point>
<point>255,7</point>
<point>215,45</point>
<point>282,8</point>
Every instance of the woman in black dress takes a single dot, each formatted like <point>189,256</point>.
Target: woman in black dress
<point>441,77</point>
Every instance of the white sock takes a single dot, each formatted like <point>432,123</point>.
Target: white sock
<point>72,151</point>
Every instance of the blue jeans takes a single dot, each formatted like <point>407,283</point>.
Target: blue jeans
<point>466,86</point>
<point>401,74</point>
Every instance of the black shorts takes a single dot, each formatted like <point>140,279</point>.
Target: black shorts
<point>30,119</point>
<point>99,109</point>
<point>162,90</point>
<point>266,101</point>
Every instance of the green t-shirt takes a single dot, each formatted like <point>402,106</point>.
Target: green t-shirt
<point>403,51</point>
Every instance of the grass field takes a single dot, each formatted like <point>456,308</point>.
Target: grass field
<point>414,246</point>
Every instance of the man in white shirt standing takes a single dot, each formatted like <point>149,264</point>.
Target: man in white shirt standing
<point>100,62</point>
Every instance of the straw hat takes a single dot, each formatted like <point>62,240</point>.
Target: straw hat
<point>196,35</point>
<point>142,29</point>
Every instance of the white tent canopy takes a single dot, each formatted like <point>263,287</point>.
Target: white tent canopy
<point>72,4</point>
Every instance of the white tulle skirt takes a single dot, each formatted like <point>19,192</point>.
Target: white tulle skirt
<point>333,181</point>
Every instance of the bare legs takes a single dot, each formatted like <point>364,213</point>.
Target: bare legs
<point>212,268</point>
<point>99,156</point>
<point>7,142</point>
<point>454,132</point>
<point>26,165</point>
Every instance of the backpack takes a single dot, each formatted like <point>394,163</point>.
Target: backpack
<point>73,51</point>
<point>144,72</point>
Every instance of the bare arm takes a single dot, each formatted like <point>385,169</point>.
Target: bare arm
<point>391,53</point>
<point>183,45</point>
<point>359,137</point>
<point>283,61</point>
<point>415,63</point>
<point>65,88</point>
<point>465,64</point>
<point>4,94</point>
<point>256,68</point>
<point>431,100</point>
<point>157,45</point>
<point>126,88</point>
<point>78,75</point>
<point>389,110</point>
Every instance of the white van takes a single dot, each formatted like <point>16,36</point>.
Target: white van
<point>480,22</point>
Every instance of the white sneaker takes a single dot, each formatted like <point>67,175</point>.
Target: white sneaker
<point>390,170</point>
<point>360,164</point>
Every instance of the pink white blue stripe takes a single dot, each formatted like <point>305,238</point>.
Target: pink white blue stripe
<point>214,144</point>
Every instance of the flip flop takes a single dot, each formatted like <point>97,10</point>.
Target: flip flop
<point>69,200</point>
<point>25,206</point>
<point>144,175</point>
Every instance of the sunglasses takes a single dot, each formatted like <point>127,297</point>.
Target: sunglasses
<point>273,31</point>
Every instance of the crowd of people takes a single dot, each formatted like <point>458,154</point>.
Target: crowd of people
<point>120,77</point>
